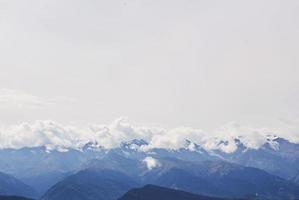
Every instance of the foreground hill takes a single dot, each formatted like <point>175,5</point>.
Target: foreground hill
<point>90,185</point>
<point>152,192</point>
<point>12,186</point>
<point>13,198</point>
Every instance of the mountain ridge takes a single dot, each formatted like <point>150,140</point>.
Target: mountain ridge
<point>153,192</point>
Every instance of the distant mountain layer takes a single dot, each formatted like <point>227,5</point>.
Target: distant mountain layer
<point>12,186</point>
<point>13,198</point>
<point>152,192</point>
<point>190,168</point>
<point>281,159</point>
<point>111,177</point>
<point>218,178</point>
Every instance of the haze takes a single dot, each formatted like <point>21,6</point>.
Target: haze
<point>168,63</point>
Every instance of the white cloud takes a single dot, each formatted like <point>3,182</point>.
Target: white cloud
<point>175,138</point>
<point>224,137</point>
<point>151,162</point>
<point>40,133</point>
<point>120,130</point>
<point>54,135</point>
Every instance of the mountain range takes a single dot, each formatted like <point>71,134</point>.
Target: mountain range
<point>269,172</point>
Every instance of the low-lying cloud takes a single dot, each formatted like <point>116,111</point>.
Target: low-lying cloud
<point>57,136</point>
<point>151,162</point>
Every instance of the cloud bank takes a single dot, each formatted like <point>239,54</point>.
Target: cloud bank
<point>57,136</point>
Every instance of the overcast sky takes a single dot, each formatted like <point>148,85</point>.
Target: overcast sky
<point>168,62</point>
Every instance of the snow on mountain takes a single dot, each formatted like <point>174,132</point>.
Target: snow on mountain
<point>55,136</point>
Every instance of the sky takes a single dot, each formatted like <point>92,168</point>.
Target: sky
<point>165,63</point>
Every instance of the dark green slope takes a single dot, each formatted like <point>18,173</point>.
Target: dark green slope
<point>13,198</point>
<point>152,192</point>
